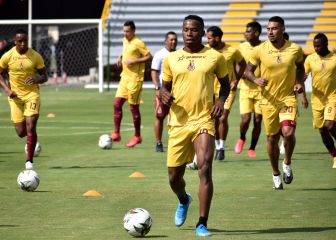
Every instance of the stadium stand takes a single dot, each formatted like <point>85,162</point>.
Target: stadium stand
<point>304,18</point>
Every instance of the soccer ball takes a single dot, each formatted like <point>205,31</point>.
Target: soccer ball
<point>105,142</point>
<point>193,165</point>
<point>37,151</point>
<point>137,222</point>
<point>28,180</point>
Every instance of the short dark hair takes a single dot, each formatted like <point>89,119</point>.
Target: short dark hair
<point>216,31</point>
<point>170,33</point>
<point>255,25</point>
<point>322,37</point>
<point>21,31</point>
<point>286,35</point>
<point>196,18</point>
<point>277,19</point>
<point>129,24</point>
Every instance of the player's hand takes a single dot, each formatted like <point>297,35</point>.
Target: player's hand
<point>262,82</point>
<point>157,93</point>
<point>298,88</point>
<point>166,97</point>
<point>233,85</point>
<point>304,102</point>
<point>30,81</point>
<point>12,94</point>
<point>217,109</point>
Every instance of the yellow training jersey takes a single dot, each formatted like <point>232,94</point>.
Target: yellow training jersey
<point>134,49</point>
<point>323,71</point>
<point>278,67</point>
<point>232,56</point>
<point>20,67</point>
<point>192,76</point>
<point>246,49</point>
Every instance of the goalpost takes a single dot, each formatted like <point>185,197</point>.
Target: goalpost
<point>72,48</point>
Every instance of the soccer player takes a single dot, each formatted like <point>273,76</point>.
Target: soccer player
<point>233,57</point>
<point>250,93</point>
<point>322,66</point>
<point>161,110</point>
<point>26,70</point>
<point>134,56</point>
<point>282,75</point>
<point>188,88</point>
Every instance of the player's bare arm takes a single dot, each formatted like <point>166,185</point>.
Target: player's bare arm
<point>262,82</point>
<point>155,80</point>
<point>224,92</point>
<point>299,87</point>
<point>239,70</point>
<point>166,96</point>
<point>41,77</point>
<point>146,58</point>
<point>3,84</point>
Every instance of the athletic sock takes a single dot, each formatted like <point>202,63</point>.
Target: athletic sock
<point>31,143</point>
<point>243,136</point>
<point>184,199</point>
<point>254,142</point>
<point>221,144</point>
<point>217,144</point>
<point>118,103</point>
<point>136,118</point>
<point>202,220</point>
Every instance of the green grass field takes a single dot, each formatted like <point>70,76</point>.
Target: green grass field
<point>244,204</point>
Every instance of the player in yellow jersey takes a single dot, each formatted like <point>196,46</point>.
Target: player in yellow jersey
<point>134,56</point>
<point>249,93</point>
<point>322,66</point>
<point>26,70</point>
<point>188,80</point>
<point>233,57</point>
<point>282,73</point>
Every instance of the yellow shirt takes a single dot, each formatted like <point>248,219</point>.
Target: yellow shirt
<point>192,76</point>
<point>323,71</point>
<point>232,56</point>
<point>278,67</point>
<point>134,49</point>
<point>246,49</point>
<point>20,67</point>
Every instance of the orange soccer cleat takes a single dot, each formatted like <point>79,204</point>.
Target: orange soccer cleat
<point>115,137</point>
<point>239,146</point>
<point>134,141</point>
<point>251,153</point>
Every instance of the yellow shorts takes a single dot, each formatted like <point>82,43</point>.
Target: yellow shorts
<point>24,107</point>
<point>249,101</point>
<point>229,101</point>
<point>274,115</point>
<point>180,144</point>
<point>130,90</point>
<point>326,113</point>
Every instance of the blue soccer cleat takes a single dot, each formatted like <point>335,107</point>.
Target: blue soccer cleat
<point>181,212</point>
<point>202,231</point>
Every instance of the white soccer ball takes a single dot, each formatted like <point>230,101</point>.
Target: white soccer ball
<point>105,141</point>
<point>137,222</point>
<point>28,180</point>
<point>37,151</point>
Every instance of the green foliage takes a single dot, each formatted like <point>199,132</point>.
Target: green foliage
<point>244,204</point>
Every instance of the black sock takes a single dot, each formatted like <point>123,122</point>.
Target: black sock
<point>202,220</point>
<point>254,142</point>
<point>184,200</point>
<point>243,136</point>
<point>277,174</point>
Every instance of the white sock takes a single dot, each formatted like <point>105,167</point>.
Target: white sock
<point>221,144</point>
<point>217,144</point>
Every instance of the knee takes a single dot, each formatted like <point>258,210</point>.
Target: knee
<point>21,133</point>
<point>329,125</point>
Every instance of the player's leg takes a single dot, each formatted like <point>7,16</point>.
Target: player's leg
<point>119,100</point>
<point>161,111</point>
<point>257,120</point>
<point>329,124</point>
<point>180,151</point>
<point>223,129</point>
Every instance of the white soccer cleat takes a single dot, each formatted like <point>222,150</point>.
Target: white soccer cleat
<point>282,148</point>
<point>29,165</point>
<point>277,182</point>
<point>288,173</point>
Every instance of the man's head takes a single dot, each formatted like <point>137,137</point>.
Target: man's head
<point>321,44</point>
<point>214,35</point>
<point>129,30</point>
<point>171,41</point>
<point>193,30</point>
<point>275,29</point>
<point>253,31</point>
<point>21,40</point>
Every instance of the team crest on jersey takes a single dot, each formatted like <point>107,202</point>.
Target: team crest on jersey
<point>21,65</point>
<point>191,66</point>
<point>278,59</point>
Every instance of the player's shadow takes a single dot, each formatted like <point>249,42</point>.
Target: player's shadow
<point>318,189</point>
<point>273,230</point>
<point>85,167</point>
<point>155,236</point>
<point>8,152</point>
<point>8,226</point>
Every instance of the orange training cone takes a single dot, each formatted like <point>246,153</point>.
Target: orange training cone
<point>51,115</point>
<point>92,193</point>
<point>136,175</point>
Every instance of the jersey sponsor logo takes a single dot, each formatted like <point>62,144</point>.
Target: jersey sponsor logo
<point>181,58</point>
<point>191,65</point>
<point>21,65</point>
<point>279,60</point>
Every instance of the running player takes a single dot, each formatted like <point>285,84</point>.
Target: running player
<point>188,88</point>
<point>26,70</point>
